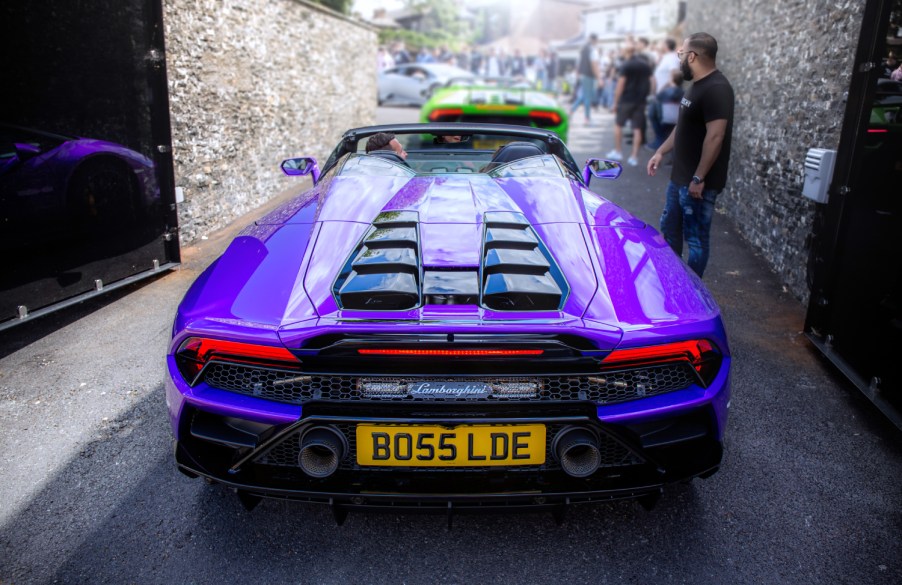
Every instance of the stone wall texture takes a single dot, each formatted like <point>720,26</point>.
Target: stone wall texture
<point>252,82</point>
<point>790,63</point>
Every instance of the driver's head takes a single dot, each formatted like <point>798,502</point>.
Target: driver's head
<point>450,139</point>
<point>385,141</point>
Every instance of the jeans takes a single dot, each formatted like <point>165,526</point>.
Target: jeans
<point>587,85</point>
<point>686,217</point>
<point>654,116</point>
<point>607,93</point>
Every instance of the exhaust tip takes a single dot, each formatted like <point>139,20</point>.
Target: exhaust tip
<point>322,449</point>
<point>578,452</point>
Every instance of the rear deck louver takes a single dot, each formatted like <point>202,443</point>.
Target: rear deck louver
<point>518,273</point>
<point>383,273</point>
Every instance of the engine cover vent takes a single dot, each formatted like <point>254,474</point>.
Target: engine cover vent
<point>518,272</point>
<point>383,273</point>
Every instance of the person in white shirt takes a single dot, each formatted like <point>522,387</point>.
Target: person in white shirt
<point>384,60</point>
<point>492,65</point>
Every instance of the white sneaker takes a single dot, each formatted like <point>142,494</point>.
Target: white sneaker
<point>632,162</point>
<point>614,155</point>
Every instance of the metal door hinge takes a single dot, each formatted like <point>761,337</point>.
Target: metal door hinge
<point>155,57</point>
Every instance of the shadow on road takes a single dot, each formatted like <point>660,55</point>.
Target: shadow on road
<point>119,512</point>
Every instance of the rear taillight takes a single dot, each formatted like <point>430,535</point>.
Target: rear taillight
<point>543,119</point>
<point>445,115</point>
<point>701,354</point>
<point>451,352</point>
<point>196,352</point>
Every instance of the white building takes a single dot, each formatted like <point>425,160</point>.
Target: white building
<point>615,20</point>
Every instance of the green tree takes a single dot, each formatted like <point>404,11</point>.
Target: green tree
<point>343,6</point>
<point>441,26</point>
<point>443,18</point>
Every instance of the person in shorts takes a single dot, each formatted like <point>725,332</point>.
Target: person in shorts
<point>633,87</point>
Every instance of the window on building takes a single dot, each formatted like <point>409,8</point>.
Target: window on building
<point>654,21</point>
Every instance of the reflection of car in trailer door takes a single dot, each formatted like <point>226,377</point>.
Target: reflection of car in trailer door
<point>56,187</point>
<point>85,156</point>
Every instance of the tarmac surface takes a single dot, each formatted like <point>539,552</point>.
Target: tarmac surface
<point>810,490</point>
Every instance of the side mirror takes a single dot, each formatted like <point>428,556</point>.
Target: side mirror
<point>601,169</point>
<point>298,167</point>
<point>26,151</point>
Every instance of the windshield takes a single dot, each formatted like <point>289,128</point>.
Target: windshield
<point>429,154</point>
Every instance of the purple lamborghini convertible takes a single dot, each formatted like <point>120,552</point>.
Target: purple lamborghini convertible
<point>471,327</point>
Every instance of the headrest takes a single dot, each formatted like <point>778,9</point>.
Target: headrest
<point>515,151</point>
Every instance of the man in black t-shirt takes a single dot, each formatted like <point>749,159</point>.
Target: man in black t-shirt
<point>701,151</point>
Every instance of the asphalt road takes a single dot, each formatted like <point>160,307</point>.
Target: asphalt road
<point>810,490</point>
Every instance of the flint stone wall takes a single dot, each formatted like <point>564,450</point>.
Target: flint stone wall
<point>790,63</point>
<point>252,82</point>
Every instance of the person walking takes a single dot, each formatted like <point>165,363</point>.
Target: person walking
<point>587,69</point>
<point>701,152</point>
<point>633,87</point>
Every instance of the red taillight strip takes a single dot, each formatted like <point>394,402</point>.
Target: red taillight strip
<point>877,130</point>
<point>452,352</point>
<point>443,113</point>
<point>682,350</point>
<point>204,349</point>
<point>553,117</point>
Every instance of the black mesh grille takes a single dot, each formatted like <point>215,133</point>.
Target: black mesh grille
<point>285,454</point>
<point>603,388</point>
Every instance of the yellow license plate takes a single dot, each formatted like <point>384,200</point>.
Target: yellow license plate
<point>489,144</point>
<point>460,446</point>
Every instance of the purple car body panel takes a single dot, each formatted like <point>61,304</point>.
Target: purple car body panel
<point>275,284</point>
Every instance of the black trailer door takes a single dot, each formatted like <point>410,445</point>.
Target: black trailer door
<point>86,189</point>
<point>855,313</point>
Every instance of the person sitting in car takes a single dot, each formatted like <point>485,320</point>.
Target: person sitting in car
<point>385,141</point>
<point>452,141</point>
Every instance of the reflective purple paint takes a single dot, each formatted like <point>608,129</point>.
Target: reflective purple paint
<point>274,284</point>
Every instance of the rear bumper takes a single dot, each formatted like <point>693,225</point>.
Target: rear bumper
<point>640,461</point>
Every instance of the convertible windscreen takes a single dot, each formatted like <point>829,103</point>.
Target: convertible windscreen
<point>428,155</point>
<point>426,164</point>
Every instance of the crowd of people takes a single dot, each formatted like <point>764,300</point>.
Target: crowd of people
<point>640,83</point>
<point>543,68</point>
<point>590,83</point>
<point>891,68</point>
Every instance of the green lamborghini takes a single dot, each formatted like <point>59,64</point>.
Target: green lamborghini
<point>496,101</point>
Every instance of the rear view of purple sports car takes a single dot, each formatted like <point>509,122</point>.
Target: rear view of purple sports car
<point>466,326</point>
